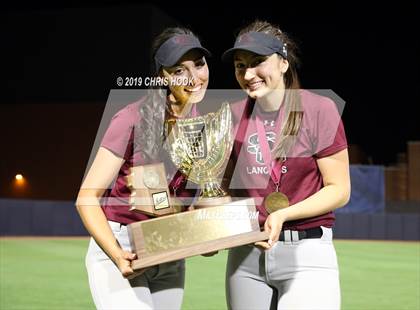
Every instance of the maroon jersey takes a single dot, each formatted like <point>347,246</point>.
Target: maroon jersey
<point>321,134</point>
<point>119,139</point>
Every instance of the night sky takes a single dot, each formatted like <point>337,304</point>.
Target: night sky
<point>60,61</point>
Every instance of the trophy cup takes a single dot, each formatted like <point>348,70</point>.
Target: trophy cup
<point>200,148</point>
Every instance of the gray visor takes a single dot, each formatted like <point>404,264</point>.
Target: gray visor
<point>259,43</point>
<point>174,48</point>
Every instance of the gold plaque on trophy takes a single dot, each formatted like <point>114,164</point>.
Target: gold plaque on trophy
<point>196,232</point>
<point>149,190</point>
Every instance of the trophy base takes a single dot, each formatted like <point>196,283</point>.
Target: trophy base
<point>195,232</point>
<point>212,202</point>
<point>198,249</point>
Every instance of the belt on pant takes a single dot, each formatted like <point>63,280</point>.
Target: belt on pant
<point>295,235</point>
<point>118,224</point>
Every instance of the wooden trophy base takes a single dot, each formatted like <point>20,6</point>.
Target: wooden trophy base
<point>196,232</point>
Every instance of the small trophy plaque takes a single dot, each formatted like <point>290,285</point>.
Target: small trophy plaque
<point>149,190</point>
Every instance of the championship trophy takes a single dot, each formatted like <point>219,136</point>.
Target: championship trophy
<point>200,148</point>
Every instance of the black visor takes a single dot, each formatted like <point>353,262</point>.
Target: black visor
<point>259,43</point>
<point>174,48</point>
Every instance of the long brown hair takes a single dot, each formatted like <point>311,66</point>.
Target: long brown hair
<point>149,133</point>
<point>293,105</point>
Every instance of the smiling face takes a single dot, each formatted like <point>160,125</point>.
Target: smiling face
<point>191,76</point>
<point>259,75</point>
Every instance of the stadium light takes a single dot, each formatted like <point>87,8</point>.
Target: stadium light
<point>19,182</point>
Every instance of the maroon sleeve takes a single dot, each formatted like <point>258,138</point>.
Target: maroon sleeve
<point>117,136</point>
<point>329,135</point>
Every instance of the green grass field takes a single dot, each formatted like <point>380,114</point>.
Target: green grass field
<point>50,274</point>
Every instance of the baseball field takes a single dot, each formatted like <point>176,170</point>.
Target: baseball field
<point>48,273</point>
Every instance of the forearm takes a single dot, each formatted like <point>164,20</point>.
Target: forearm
<point>325,200</point>
<point>97,225</point>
